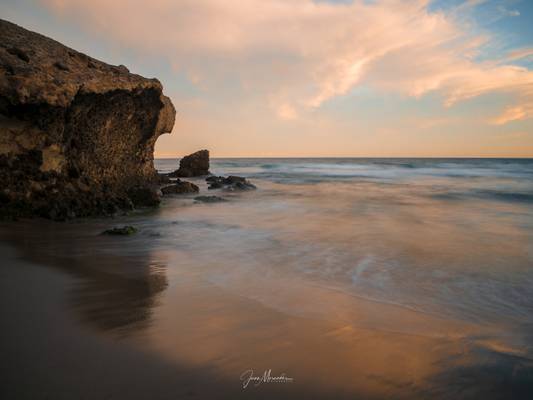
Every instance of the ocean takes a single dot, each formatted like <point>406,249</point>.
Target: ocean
<point>452,237</point>
<point>363,277</point>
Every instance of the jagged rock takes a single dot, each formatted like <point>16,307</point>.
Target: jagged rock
<point>180,187</point>
<point>209,199</point>
<point>76,134</point>
<point>196,164</point>
<point>230,183</point>
<point>123,231</point>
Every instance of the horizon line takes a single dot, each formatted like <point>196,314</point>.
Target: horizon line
<point>360,157</point>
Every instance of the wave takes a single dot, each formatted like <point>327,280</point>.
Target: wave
<point>518,197</point>
<point>270,166</point>
<point>457,179</point>
<point>385,169</point>
<point>487,194</point>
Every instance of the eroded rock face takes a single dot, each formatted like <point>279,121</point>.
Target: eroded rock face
<point>76,135</point>
<point>195,164</point>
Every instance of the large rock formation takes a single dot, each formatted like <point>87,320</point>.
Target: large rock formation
<point>195,164</point>
<point>76,134</point>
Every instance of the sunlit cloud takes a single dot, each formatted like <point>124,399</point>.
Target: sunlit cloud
<point>286,111</point>
<point>304,53</point>
<point>514,113</point>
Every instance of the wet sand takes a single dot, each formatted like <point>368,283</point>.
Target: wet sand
<point>103,327</point>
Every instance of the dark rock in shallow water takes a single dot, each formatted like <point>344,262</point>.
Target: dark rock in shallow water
<point>232,179</point>
<point>123,231</point>
<point>213,178</point>
<point>209,199</point>
<point>242,186</point>
<point>216,185</point>
<point>196,164</point>
<point>230,183</point>
<point>76,134</point>
<point>180,187</point>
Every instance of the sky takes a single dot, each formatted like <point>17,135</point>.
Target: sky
<point>310,78</point>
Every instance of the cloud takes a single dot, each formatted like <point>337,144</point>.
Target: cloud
<point>508,13</point>
<point>303,53</point>
<point>286,111</point>
<point>514,113</point>
<point>519,54</point>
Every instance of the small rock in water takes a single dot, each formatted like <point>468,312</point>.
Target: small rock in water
<point>180,187</point>
<point>215,185</point>
<point>123,230</point>
<point>230,183</point>
<point>209,199</point>
<point>235,179</point>
<point>196,164</point>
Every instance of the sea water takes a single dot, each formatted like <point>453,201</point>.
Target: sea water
<point>451,237</point>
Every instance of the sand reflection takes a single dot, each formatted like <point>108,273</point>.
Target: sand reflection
<point>117,282</point>
<point>362,348</point>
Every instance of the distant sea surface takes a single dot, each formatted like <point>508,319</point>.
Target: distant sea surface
<point>359,278</point>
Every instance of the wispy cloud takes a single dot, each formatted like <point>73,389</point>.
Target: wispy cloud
<point>519,54</point>
<point>515,113</point>
<point>510,13</point>
<point>299,54</point>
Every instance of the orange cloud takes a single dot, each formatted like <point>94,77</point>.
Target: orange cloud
<point>514,113</point>
<point>316,50</point>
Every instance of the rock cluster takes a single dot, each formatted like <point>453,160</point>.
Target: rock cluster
<point>76,134</point>
<point>230,183</point>
<point>196,164</point>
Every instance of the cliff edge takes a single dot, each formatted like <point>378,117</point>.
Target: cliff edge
<point>76,134</point>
